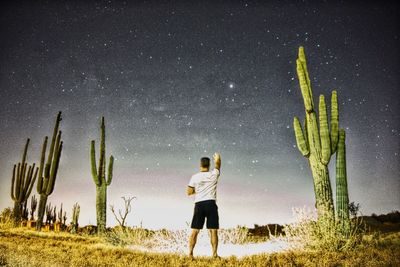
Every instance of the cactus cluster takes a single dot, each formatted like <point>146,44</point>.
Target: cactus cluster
<point>318,142</point>
<point>99,178</point>
<point>23,178</point>
<point>48,170</point>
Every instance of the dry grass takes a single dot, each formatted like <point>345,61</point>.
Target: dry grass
<point>307,233</point>
<point>20,247</point>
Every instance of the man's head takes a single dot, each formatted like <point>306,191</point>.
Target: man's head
<point>204,164</point>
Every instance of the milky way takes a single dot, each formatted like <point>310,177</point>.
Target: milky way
<point>179,81</point>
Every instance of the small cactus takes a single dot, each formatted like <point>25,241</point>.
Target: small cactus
<point>64,218</point>
<point>33,207</point>
<point>60,214</point>
<point>49,213</point>
<point>75,217</point>
<point>54,215</point>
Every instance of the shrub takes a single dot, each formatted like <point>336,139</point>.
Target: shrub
<point>311,234</point>
<point>6,219</point>
<point>123,236</point>
<point>238,235</point>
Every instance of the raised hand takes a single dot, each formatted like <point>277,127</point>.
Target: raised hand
<point>217,160</point>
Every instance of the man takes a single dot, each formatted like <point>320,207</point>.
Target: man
<point>203,185</point>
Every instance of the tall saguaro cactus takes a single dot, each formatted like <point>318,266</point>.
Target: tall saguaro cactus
<point>99,178</point>
<point>48,171</point>
<point>342,196</point>
<point>22,182</point>
<point>317,143</point>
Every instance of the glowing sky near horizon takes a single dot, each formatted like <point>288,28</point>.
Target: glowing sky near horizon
<point>176,82</point>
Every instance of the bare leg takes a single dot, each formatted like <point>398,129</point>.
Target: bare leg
<point>214,241</point>
<point>192,241</point>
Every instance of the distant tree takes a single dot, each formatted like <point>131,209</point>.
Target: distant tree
<point>121,217</point>
<point>354,209</point>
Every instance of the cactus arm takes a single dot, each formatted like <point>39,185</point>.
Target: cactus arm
<point>110,171</point>
<point>324,132</point>
<point>57,152</point>
<point>302,57</point>
<point>304,81</point>
<point>306,132</point>
<point>53,139</point>
<point>27,183</point>
<point>25,151</point>
<point>313,135</point>
<point>31,184</point>
<point>93,163</point>
<point>300,138</point>
<point>52,179</point>
<point>334,122</point>
<point>101,171</point>
<point>304,87</point>
<point>22,181</point>
<point>22,178</point>
<point>26,180</point>
<point>12,184</point>
<point>39,186</point>
<point>46,177</point>
<point>342,196</point>
<point>18,182</point>
<point>18,170</point>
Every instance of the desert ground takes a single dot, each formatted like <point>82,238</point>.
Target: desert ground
<point>380,246</point>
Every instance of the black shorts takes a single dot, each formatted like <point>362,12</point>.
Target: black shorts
<point>205,209</point>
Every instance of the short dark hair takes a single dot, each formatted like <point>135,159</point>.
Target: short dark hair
<point>205,162</point>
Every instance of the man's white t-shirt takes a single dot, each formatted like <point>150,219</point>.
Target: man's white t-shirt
<point>205,185</point>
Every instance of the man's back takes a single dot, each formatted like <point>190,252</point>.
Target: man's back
<point>205,185</point>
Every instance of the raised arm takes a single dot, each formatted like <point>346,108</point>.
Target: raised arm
<point>217,161</point>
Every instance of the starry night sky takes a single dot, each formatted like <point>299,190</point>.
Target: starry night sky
<point>182,80</point>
